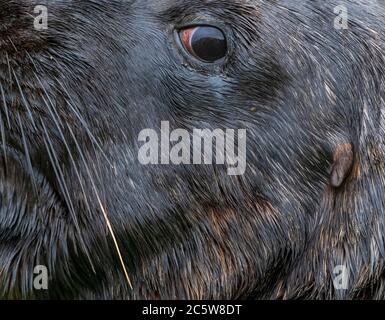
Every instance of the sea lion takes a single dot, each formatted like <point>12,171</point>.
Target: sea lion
<point>76,199</point>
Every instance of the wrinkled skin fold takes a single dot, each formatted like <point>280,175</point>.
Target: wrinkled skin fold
<point>74,97</point>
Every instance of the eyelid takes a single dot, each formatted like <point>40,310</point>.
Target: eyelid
<point>186,36</point>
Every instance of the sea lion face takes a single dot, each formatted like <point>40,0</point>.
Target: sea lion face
<point>75,98</point>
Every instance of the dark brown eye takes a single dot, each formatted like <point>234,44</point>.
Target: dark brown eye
<point>205,43</point>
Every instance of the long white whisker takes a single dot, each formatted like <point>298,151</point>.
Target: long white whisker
<point>105,215</point>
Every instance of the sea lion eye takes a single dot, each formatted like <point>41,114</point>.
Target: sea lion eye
<point>206,43</point>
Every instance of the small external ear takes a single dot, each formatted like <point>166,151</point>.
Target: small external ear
<point>343,164</point>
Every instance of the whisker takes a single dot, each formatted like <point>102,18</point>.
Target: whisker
<point>75,112</point>
<point>23,136</point>
<point>27,153</point>
<point>78,115</point>
<point>9,66</point>
<point>3,139</point>
<point>95,142</point>
<point>26,104</point>
<point>5,105</point>
<point>91,136</point>
<point>104,212</point>
<point>13,45</point>
<point>54,116</point>
<point>64,189</point>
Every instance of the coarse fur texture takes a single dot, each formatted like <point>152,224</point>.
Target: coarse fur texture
<point>74,97</point>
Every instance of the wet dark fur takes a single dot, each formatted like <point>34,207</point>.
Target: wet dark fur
<point>77,95</point>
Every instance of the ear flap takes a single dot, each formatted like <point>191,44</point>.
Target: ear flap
<point>343,164</point>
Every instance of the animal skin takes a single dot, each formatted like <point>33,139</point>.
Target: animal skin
<point>74,197</point>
